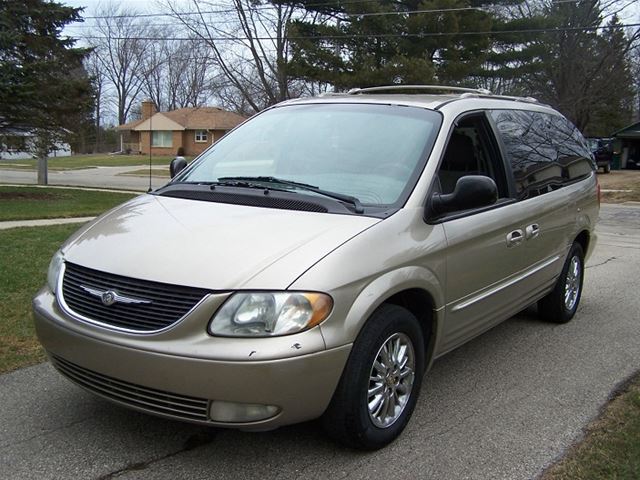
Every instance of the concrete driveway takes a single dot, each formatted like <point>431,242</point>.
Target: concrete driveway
<point>501,407</point>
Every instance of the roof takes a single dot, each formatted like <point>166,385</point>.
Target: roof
<point>416,100</point>
<point>434,97</point>
<point>630,131</point>
<point>451,104</point>
<point>130,125</point>
<point>197,118</point>
<point>205,117</point>
<point>24,131</point>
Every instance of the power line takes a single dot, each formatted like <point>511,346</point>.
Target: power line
<point>230,10</point>
<point>255,9</point>
<point>375,35</point>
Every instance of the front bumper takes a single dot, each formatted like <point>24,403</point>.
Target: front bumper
<point>161,375</point>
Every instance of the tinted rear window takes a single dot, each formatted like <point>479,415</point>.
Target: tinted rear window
<point>545,151</point>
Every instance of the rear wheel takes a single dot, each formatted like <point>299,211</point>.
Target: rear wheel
<point>380,384</point>
<point>561,304</point>
<point>607,168</point>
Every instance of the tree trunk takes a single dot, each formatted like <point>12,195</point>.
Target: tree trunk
<point>43,176</point>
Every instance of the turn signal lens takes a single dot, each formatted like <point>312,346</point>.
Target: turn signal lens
<point>54,271</point>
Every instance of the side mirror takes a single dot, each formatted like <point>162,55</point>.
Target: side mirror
<point>176,166</point>
<point>472,191</point>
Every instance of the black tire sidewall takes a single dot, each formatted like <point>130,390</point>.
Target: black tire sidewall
<point>386,321</point>
<point>552,308</point>
<point>576,251</point>
<point>555,307</point>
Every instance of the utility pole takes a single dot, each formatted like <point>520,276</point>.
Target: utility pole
<point>42,143</point>
<point>43,177</point>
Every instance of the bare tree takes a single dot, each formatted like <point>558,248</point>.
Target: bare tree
<point>569,60</point>
<point>177,73</point>
<point>121,45</point>
<point>152,73</point>
<point>194,87</point>
<point>249,44</point>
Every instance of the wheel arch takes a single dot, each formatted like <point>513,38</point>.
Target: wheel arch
<point>422,305</point>
<point>584,240</point>
<point>415,288</point>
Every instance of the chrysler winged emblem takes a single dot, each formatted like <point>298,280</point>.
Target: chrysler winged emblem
<point>109,297</point>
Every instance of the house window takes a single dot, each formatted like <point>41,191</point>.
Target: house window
<point>162,139</point>
<point>201,136</point>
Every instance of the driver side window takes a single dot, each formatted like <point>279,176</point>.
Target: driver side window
<point>472,150</point>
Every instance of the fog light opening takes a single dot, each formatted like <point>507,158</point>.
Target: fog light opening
<point>233,412</point>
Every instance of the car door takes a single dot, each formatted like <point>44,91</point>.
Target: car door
<point>486,268</point>
<point>544,157</point>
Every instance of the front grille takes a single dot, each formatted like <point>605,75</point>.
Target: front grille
<point>169,303</point>
<point>136,396</point>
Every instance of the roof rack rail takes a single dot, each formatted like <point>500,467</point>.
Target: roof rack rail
<point>466,92</point>
<point>479,91</point>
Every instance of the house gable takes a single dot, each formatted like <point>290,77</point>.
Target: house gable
<point>159,121</point>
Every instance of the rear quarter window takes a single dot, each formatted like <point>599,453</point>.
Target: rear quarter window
<point>545,151</point>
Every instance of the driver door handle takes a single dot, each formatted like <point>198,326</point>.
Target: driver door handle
<point>514,238</point>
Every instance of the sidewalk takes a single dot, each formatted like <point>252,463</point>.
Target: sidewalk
<point>42,223</point>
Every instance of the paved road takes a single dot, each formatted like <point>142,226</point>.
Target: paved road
<point>501,407</point>
<point>100,177</point>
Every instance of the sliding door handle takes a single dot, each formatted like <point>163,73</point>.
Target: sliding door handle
<point>532,231</point>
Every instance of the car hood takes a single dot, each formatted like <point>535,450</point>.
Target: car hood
<point>209,245</point>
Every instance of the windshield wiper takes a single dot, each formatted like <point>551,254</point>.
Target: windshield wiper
<point>302,186</point>
<point>231,182</point>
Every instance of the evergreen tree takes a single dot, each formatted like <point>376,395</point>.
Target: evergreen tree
<point>43,86</point>
<point>613,89</point>
<point>573,65</point>
<point>360,44</point>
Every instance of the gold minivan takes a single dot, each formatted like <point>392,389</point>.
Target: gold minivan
<point>318,259</point>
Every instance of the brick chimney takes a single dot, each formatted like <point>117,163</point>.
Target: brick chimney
<point>148,109</point>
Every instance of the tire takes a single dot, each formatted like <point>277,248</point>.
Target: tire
<point>561,304</point>
<point>348,419</point>
<point>607,168</point>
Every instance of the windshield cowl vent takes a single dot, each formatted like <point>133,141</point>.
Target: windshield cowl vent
<point>263,201</point>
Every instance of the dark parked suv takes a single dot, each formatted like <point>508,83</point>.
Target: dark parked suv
<point>602,149</point>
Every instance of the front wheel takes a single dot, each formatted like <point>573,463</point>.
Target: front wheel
<point>380,384</point>
<point>561,304</point>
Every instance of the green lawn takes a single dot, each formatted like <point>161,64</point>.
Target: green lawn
<point>26,253</point>
<point>76,162</point>
<point>611,448</point>
<point>25,203</point>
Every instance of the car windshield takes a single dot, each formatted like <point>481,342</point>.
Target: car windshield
<point>371,152</point>
<point>593,144</point>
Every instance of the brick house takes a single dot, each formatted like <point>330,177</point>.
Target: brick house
<point>193,129</point>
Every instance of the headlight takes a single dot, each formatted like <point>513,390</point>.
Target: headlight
<point>54,270</point>
<point>268,314</point>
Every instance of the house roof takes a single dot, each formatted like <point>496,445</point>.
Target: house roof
<point>158,121</point>
<point>630,131</point>
<point>205,118</point>
<point>130,125</point>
